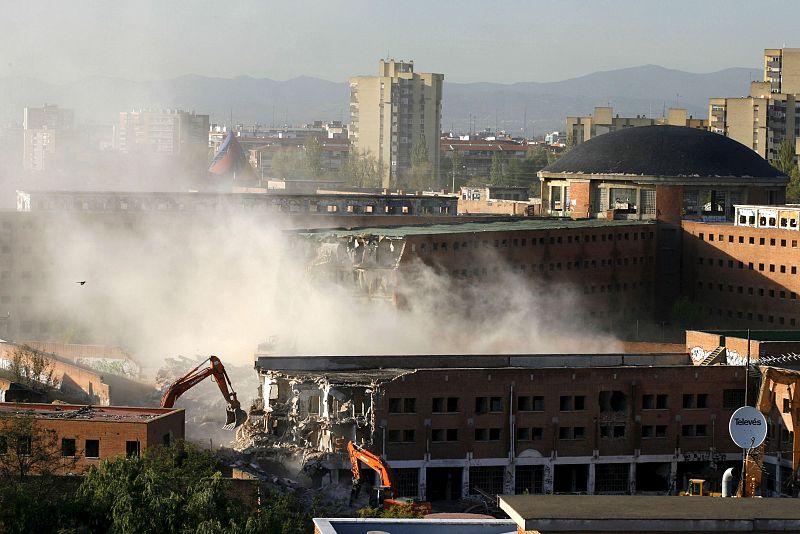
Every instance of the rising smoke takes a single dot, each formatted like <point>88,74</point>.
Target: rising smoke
<point>170,284</point>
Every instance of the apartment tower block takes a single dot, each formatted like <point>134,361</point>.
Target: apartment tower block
<point>392,112</point>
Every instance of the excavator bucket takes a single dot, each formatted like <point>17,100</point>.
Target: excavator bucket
<point>234,418</point>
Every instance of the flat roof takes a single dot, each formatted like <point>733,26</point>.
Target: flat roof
<point>758,335</point>
<point>120,414</point>
<point>347,525</point>
<point>626,513</point>
<point>474,227</point>
<point>400,362</point>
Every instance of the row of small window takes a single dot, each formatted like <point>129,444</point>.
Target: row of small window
<point>607,432</point>
<point>523,242</point>
<point>446,405</point>
<point>786,222</point>
<point>750,290</point>
<point>69,447</point>
<point>750,265</point>
<point>731,398</point>
<point>555,266</point>
<point>615,288</point>
<point>750,240</point>
<point>760,317</point>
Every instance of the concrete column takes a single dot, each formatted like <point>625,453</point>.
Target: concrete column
<point>632,479</point>
<point>547,477</point>
<point>422,482</point>
<point>509,478</point>
<point>590,480</point>
<point>673,477</point>
<point>465,482</point>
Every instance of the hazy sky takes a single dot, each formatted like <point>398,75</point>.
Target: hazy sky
<point>467,40</point>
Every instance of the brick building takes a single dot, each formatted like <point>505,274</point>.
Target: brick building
<point>609,264</point>
<point>743,275</point>
<point>93,433</point>
<point>448,424</point>
<point>668,173</point>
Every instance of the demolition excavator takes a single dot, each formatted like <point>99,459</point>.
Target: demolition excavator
<point>383,495</point>
<point>235,416</point>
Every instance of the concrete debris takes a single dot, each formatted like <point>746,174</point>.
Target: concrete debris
<point>304,420</point>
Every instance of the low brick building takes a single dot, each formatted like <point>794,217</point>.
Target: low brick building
<point>451,425</point>
<point>92,433</point>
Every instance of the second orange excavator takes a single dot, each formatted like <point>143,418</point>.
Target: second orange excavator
<point>235,416</point>
<point>384,494</point>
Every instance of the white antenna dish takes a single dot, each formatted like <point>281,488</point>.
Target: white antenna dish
<point>748,427</point>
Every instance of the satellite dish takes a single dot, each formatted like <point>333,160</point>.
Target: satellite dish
<point>748,427</point>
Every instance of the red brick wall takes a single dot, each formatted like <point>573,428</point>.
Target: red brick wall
<point>72,378</point>
<point>113,434</point>
<point>579,194</point>
<point>552,383</point>
<point>740,283</point>
<point>669,203</point>
<point>601,264</point>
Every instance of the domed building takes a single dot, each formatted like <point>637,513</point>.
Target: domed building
<point>668,173</point>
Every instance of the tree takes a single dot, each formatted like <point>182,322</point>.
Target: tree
<point>168,489</point>
<point>457,168</point>
<point>32,368</point>
<point>290,165</point>
<point>496,174</point>
<point>421,169</point>
<point>361,170</point>
<point>27,448</point>
<point>313,156</point>
<point>785,162</point>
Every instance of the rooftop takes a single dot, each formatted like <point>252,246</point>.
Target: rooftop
<point>623,513</point>
<point>464,361</point>
<point>666,151</point>
<point>473,227</point>
<point>119,414</point>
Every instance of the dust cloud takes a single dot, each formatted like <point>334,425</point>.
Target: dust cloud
<point>167,284</point>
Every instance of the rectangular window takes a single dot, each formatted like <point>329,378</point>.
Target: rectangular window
<point>445,404</point>
<point>402,405</point>
<point>67,447</point>
<point>132,449</point>
<point>92,449</point>
<point>400,436</point>
<point>732,398</point>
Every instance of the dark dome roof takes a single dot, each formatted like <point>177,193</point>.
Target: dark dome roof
<point>664,151</point>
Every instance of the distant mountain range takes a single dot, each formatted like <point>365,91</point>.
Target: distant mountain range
<point>645,90</point>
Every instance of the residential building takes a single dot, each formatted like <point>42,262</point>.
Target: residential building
<point>168,132</point>
<point>86,434</point>
<point>603,120</point>
<point>770,114</point>
<point>476,155</point>
<point>44,129</point>
<point>393,112</point>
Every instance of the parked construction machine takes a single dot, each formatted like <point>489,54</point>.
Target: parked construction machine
<point>235,416</point>
<point>383,495</point>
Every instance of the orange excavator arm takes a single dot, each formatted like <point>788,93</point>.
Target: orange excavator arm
<point>235,415</point>
<point>359,454</point>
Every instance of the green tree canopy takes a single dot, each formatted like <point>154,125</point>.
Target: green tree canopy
<point>497,175</point>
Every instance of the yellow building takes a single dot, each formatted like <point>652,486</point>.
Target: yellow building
<point>603,120</point>
<point>392,112</point>
<point>770,114</point>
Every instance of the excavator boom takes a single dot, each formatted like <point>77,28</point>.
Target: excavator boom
<point>235,416</point>
<point>360,454</point>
